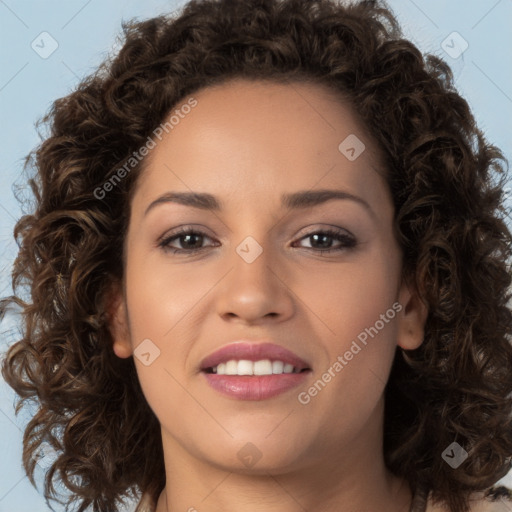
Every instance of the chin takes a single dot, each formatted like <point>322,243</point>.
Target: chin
<point>256,455</point>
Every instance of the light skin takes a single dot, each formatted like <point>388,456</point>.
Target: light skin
<point>248,143</point>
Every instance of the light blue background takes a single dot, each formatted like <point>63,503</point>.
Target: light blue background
<point>85,31</point>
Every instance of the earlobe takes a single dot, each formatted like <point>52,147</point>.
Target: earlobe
<point>412,318</point>
<point>118,324</point>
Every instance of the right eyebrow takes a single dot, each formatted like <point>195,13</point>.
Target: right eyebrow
<point>203,201</point>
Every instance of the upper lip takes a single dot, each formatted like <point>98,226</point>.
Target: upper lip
<point>250,351</point>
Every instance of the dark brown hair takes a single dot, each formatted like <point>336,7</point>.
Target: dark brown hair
<point>447,186</point>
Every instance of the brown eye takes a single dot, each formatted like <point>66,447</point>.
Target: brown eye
<point>189,240</point>
<point>322,240</point>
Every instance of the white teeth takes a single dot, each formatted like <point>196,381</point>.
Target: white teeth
<point>263,367</point>
<point>245,367</point>
<point>231,367</point>
<point>277,367</point>
<point>288,368</point>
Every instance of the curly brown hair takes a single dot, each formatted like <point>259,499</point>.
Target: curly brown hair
<point>447,186</point>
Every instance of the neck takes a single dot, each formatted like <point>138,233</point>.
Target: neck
<point>274,496</point>
<point>353,477</point>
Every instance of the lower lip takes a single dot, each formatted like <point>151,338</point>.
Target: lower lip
<point>253,387</point>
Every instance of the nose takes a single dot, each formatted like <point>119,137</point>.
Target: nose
<point>255,291</point>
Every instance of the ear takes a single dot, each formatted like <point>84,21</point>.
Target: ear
<point>118,322</point>
<point>412,318</point>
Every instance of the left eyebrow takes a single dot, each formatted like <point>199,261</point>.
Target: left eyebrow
<point>309,198</point>
<point>297,200</point>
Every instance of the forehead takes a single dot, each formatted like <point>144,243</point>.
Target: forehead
<point>251,138</point>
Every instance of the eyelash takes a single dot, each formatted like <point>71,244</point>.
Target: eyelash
<point>348,241</point>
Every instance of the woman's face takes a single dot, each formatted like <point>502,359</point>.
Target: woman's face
<point>255,272</point>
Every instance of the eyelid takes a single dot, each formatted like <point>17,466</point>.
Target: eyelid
<point>314,228</point>
<point>185,228</point>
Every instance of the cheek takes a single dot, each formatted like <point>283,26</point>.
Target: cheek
<point>352,297</point>
<point>360,343</point>
<point>158,302</point>
<point>359,326</point>
<point>161,295</point>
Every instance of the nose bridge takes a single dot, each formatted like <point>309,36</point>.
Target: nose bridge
<point>254,288</point>
<point>252,236</point>
<point>253,261</point>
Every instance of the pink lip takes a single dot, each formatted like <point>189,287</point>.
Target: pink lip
<point>253,352</point>
<point>254,387</point>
